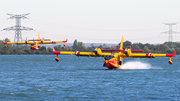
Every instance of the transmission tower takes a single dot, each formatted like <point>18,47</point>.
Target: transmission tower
<point>18,27</point>
<point>170,32</point>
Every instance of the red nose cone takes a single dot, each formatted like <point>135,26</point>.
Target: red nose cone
<point>111,64</point>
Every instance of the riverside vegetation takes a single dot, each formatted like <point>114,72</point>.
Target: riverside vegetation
<point>167,47</point>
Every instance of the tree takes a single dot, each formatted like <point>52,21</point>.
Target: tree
<point>27,51</point>
<point>75,45</point>
<point>43,48</point>
<point>126,44</point>
<point>7,50</point>
<point>50,50</point>
<point>81,47</point>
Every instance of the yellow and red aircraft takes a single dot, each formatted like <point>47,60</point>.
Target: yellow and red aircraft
<point>114,61</point>
<point>36,45</point>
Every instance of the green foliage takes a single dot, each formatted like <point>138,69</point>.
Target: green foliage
<point>75,45</point>
<point>167,47</point>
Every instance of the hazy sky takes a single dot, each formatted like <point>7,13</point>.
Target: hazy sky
<point>95,21</point>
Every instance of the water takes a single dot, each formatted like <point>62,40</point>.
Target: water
<point>40,77</point>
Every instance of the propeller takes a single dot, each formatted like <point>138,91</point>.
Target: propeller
<point>26,40</point>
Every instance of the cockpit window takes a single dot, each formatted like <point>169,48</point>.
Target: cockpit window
<point>107,57</point>
<point>32,44</point>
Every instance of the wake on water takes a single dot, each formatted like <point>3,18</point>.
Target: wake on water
<point>136,65</point>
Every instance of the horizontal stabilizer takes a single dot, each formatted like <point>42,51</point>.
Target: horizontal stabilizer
<point>120,50</point>
<point>39,40</point>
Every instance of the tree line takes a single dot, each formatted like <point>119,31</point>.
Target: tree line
<point>167,47</point>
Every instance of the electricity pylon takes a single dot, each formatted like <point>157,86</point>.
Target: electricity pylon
<point>18,27</point>
<point>170,32</point>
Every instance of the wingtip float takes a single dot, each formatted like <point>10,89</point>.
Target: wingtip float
<point>35,43</point>
<point>114,61</point>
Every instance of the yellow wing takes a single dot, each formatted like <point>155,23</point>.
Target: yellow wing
<point>27,42</point>
<point>49,42</point>
<point>144,55</point>
<point>150,55</point>
<point>97,53</point>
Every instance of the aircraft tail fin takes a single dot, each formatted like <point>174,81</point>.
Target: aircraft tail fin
<point>121,45</point>
<point>38,36</point>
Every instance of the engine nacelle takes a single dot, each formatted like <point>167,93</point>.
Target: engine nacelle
<point>170,62</point>
<point>42,41</point>
<point>57,59</point>
<point>98,51</point>
<point>127,52</point>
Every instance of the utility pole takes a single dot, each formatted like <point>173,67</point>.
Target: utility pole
<point>170,32</point>
<point>18,27</point>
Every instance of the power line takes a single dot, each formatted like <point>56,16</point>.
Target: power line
<point>84,28</point>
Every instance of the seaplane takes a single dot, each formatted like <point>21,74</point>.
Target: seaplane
<point>35,43</point>
<point>114,60</point>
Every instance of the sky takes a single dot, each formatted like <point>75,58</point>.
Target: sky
<point>93,21</point>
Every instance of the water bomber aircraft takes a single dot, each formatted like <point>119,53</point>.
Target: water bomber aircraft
<point>115,60</point>
<point>35,43</point>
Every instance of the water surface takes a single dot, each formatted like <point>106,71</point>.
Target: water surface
<point>40,77</point>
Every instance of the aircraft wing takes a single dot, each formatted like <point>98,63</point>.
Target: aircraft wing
<point>18,42</point>
<point>80,53</point>
<point>49,42</point>
<point>149,55</point>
